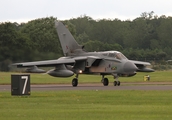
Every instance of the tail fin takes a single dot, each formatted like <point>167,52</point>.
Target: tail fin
<point>67,41</point>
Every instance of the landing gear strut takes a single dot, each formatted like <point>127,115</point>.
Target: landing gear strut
<point>75,81</point>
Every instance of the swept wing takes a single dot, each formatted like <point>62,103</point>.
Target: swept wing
<point>47,63</point>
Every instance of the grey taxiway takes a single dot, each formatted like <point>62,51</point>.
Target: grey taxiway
<point>98,86</point>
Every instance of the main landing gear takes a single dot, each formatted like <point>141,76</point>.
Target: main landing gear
<point>105,81</point>
<point>75,81</point>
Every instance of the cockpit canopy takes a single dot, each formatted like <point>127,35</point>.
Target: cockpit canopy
<point>114,54</point>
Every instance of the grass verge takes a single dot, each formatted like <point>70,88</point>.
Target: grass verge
<point>92,105</point>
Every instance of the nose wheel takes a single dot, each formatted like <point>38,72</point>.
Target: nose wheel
<point>116,83</point>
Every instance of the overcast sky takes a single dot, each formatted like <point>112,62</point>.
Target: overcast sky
<point>25,10</point>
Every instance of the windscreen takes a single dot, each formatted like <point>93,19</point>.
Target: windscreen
<point>117,55</point>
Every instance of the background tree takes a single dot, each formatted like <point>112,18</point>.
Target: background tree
<point>146,38</point>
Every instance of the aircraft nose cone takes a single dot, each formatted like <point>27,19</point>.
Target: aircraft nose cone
<point>130,67</point>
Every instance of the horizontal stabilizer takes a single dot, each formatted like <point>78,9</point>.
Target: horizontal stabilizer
<point>142,66</point>
<point>145,70</point>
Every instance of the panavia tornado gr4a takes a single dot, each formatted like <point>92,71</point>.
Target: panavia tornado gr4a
<point>77,61</point>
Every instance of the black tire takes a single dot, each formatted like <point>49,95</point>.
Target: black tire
<point>74,82</point>
<point>118,83</point>
<point>105,82</point>
<point>115,83</point>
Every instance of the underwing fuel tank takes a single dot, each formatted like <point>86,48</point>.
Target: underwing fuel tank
<point>60,73</point>
<point>34,69</point>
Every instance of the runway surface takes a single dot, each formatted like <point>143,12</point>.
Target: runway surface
<point>124,86</point>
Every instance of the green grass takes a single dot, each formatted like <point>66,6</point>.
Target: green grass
<point>87,105</point>
<point>158,76</point>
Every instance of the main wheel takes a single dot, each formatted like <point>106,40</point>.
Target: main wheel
<point>105,82</point>
<point>74,82</point>
<point>115,83</point>
<point>118,83</point>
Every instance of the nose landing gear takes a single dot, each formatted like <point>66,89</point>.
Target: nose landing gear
<point>116,82</point>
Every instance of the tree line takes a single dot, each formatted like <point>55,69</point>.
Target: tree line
<point>147,37</point>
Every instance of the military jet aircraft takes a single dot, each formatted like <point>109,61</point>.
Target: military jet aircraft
<point>77,61</point>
